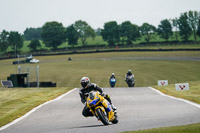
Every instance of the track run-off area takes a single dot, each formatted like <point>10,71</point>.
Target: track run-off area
<point>138,108</point>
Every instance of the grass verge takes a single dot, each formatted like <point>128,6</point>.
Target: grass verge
<point>193,128</point>
<point>15,102</point>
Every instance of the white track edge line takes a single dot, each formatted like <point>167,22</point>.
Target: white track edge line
<point>34,109</point>
<point>179,99</point>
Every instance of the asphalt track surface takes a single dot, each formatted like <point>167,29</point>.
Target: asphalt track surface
<point>138,108</point>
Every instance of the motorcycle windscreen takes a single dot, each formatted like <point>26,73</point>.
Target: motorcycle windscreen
<point>93,102</point>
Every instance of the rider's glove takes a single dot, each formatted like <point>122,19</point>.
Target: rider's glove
<point>103,94</point>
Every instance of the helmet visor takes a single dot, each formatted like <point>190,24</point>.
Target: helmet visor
<point>83,84</point>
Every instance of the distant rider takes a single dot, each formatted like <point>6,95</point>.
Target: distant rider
<point>86,88</point>
<point>129,73</point>
<point>112,76</point>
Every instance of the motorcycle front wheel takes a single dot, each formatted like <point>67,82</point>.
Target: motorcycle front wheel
<point>102,116</point>
<point>115,121</point>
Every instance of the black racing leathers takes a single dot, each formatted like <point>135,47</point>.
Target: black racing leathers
<point>84,93</point>
<point>128,74</point>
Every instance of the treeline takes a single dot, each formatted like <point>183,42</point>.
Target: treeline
<point>53,34</point>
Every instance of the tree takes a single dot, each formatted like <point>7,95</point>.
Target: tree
<point>198,31</point>
<point>84,31</point>
<point>129,32</point>
<point>184,27</point>
<point>193,21</point>
<point>175,25</point>
<point>53,34</point>
<point>32,33</point>
<point>34,44</point>
<point>98,31</point>
<point>15,40</point>
<point>4,43</point>
<point>110,33</point>
<point>147,30</point>
<point>72,35</point>
<point>165,29</point>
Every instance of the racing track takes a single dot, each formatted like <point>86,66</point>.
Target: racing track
<point>138,108</point>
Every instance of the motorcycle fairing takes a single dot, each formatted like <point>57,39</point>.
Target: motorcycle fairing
<point>106,105</point>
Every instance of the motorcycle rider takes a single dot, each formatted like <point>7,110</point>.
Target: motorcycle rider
<point>86,88</point>
<point>129,73</point>
<point>112,80</point>
<point>112,76</point>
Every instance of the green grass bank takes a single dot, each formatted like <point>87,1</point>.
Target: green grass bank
<point>193,128</point>
<point>15,102</point>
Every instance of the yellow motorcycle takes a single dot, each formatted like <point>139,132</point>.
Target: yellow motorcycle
<point>101,108</point>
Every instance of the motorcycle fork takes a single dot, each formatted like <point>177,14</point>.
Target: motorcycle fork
<point>103,109</point>
<point>109,111</point>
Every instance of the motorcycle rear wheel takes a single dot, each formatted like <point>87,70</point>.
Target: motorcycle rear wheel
<point>102,116</point>
<point>130,85</point>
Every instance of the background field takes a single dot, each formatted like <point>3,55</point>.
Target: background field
<point>148,67</point>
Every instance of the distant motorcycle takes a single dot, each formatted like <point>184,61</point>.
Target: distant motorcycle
<point>112,82</point>
<point>130,81</point>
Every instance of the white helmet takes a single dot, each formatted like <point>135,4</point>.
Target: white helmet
<point>113,74</point>
<point>84,81</point>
